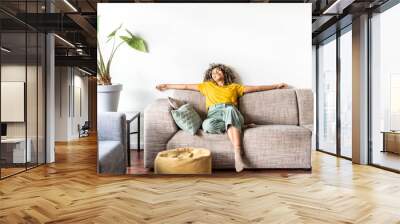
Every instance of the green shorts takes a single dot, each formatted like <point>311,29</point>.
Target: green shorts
<point>220,116</point>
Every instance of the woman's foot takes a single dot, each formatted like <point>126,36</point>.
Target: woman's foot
<point>239,165</point>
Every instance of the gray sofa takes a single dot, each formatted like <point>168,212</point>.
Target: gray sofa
<point>281,137</point>
<point>112,143</point>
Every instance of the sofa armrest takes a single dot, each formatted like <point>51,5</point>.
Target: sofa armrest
<point>111,158</point>
<point>305,101</point>
<point>112,146</point>
<point>111,126</point>
<point>159,127</point>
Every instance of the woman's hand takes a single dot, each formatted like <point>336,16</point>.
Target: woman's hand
<point>281,86</point>
<point>162,87</point>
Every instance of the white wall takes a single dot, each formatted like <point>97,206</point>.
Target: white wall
<point>264,43</point>
<point>61,103</point>
<point>68,81</point>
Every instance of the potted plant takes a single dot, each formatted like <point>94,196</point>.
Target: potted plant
<point>108,92</point>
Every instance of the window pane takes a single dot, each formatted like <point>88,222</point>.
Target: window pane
<point>32,85</point>
<point>22,87</point>
<point>346,94</point>
<point>14,153</point>
<point>31,99</point>
<point>327,97</point>
<point>386,88</point>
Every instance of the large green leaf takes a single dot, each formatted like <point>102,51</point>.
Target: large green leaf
<point>135,42</point>
<point>112,34</point>
<point>104,66</point>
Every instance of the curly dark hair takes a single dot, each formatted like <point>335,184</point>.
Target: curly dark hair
<point>229,74</point>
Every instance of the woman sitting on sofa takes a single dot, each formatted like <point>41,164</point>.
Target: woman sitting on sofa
<point>222,95</point>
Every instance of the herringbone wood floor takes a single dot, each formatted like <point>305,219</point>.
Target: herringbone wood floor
<point>70,191</point>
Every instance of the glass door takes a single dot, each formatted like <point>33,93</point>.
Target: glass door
<point>22,78</point>
<point>326,137</point>
<point>14,155</point>
<point>385,89</point>
<point>346,92</point>
<point>32,98</point>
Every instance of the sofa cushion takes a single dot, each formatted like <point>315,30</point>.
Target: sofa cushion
<point>270,107</point>
<point>278,146</point>
<point>187,118</point>
<point>265,146</point>
<point>197,100</point>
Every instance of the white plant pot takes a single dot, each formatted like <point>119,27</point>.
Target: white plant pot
<point>108,97</point>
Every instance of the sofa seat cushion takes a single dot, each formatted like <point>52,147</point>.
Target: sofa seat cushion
<point>265,146</point>
<point>111,157</point>
<point>278,146</point>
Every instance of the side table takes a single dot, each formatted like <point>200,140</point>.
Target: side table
<point>131,116</point>
<point>391,141</point>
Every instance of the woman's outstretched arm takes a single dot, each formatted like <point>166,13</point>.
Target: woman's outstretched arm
<point>250,89</point>
<point>163,87</point>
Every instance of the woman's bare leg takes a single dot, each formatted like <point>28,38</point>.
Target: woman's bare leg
<point>235,137</point>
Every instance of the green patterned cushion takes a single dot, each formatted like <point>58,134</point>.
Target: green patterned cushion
<point>187,118</point>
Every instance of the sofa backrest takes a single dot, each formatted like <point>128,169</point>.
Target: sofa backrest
<point>266,107</point>
<point>193,97</point>
<point>270,107</point>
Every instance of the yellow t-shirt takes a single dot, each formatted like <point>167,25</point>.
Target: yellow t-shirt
<point>220,94</point>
